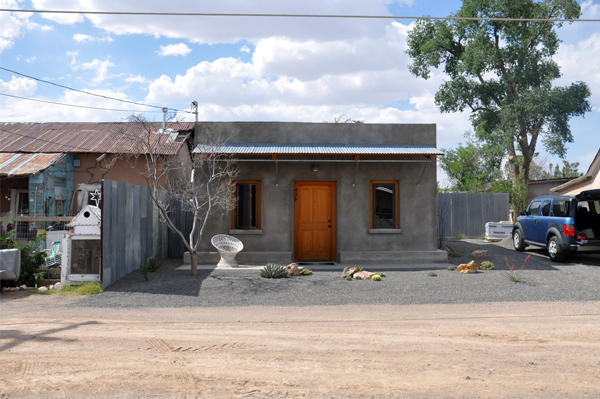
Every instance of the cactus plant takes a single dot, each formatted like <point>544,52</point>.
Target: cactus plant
<point>273,270</point>
<point>306,272</point>
<point>376,277</point>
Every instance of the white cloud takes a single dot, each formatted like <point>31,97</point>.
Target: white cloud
<point>98,66</point>
<point>589,8</point>
<point>581,62</point>
<point>136,79</point>
<point>82,38</point>
<point>30,60</point>
<point>11,24</point>
<point>245,49</point>
<point>228,30</point>
<point>174,49</point>
<point>18,86</point>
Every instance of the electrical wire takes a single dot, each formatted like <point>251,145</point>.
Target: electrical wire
<point>212,14</point>
<point>78,106</point>
<point>89,93</point>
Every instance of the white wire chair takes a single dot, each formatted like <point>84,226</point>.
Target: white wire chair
<point>228,248</point>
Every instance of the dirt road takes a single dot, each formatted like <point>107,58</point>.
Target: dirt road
<point>499,350</point>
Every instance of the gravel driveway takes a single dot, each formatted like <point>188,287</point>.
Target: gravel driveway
<point>576,280</point>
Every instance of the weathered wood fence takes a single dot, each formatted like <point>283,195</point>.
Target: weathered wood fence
<point>467,214</point>
<point>131,229</point>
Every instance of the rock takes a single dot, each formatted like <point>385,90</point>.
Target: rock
<point>43,289</point>
<point>479,254</point>
<point>470,267</point>
<point>23,287</point>
<point>363,275</point>
<point>348,271</point>
<point>13,289</point>
<point>292,270</point>
<point>51,287</point>
<point>4,289</point>
<point>58,286</point>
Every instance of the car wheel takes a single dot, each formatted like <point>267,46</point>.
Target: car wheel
<point>518,241</point>
<point>554,250</point>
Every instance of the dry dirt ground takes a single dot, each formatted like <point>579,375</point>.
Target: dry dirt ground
<point>497,350</point>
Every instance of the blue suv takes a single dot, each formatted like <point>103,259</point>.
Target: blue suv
<point>560,223</point>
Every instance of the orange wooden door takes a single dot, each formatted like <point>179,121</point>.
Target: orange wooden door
<point>314,220</point>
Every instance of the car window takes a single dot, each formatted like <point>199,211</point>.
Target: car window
<point>546,208</point>
<point>597,207</point>
<point>534,208</point>
<point>560,208</point>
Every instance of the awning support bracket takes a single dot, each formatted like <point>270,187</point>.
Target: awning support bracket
<point>422,174</point>
<point>276,173</point>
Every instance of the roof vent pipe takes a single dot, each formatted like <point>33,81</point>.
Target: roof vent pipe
<point>164,110</point>
<point>195,105</point>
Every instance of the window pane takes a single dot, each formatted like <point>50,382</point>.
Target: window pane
<point>534,208</point>
<point>560,208</point>
<point>384,205</point>
<point>546,208</point>
<point>85,257</point>
<point>246,206</point>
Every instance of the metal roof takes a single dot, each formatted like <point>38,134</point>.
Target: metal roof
<point>94,137</point>
<point>23,164</point>
<point>322,148</point>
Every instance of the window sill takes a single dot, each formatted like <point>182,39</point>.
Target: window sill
<point>385,231</point>
<point>247,232</point>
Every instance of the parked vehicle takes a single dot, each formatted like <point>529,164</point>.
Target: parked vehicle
<point>562,224</point>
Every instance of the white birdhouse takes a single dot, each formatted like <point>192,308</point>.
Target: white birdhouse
<point>82,250</point>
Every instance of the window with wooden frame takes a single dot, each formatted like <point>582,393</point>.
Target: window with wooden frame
<point>384,204</point>
<point>246,211</point>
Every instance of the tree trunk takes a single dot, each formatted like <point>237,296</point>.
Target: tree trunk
<point>194,259</point>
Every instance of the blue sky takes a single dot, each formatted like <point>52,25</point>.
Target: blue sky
<point>247,69</point>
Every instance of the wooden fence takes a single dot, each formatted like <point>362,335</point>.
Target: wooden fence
<point>467,214</point>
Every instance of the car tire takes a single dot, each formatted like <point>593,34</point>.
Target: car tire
<point>518,240</point>
<point>555,252</point>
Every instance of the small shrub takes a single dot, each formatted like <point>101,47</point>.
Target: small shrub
<point>453,252</point>
<point>152,263</point>
<point>349,278</point>
<point>487,265</point>
<point>382,274</point>
<point>358,269</point>
<point>306,272</point>
<point>273,270</point>
<point>515,276</point>
<point>460,236</point>
<point>432,274</point>
<point>144,271</point>
<point>376,277</point>
<point>451,268</point>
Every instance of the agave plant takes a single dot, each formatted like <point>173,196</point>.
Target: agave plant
<point>273,270</point>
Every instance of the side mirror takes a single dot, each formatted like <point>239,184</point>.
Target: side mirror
<point>523,213</point>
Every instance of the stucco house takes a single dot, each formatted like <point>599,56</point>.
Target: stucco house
<point>50,171</point>
<point>329,192</point>
<point>589,181</point>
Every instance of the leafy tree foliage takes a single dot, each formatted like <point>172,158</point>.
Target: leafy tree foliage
<point>472,166</point>
<point>502,71</point>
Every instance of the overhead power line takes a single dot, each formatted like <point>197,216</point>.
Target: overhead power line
<point>78,106</point>
<point>213,14</point>
<point>87,92</point>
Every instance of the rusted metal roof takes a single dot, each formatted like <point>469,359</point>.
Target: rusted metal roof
<point>101,137</point>
<point>320,148</point>
<point>23,164</point>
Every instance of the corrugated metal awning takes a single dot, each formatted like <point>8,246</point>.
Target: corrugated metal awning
<point>321,148</point>
<point>23,164</point>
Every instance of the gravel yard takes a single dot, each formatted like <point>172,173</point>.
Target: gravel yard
<point>577,279</point>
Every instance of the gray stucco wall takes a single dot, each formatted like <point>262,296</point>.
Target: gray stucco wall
<point>417,204</point>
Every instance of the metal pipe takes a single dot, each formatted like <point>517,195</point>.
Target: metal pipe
<point>326,160</point>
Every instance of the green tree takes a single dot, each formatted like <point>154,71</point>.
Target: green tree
<point>470,167</point>
<point>502,71</point>
<point>569,169</point>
